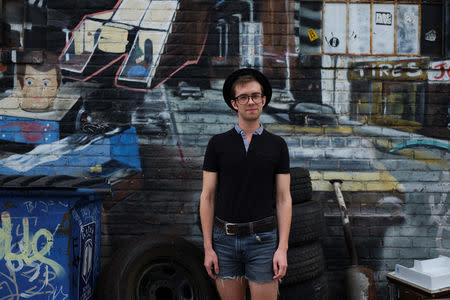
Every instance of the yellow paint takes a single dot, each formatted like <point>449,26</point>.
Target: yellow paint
<point>29,251</point>
<point>113,39</point>
<point>341,130</point>
<point>376,181</point>
<point>346,176</point>
<point>96,169</point>
<point>312,35</point>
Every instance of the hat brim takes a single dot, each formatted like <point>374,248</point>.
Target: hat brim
<point>260,77</point>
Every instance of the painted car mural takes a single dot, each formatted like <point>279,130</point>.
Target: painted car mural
<point>132,93</point>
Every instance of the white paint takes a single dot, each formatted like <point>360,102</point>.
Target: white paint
<point>250,40</point>
<point>334,28</point>
<point>359,28</point>
<point>408,29</point>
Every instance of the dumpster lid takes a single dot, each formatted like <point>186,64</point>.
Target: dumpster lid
<point>50,182</point>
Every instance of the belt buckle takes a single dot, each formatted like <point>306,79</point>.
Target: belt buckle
<point>226,229</point>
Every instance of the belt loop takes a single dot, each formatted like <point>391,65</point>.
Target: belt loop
<point>251,228</point>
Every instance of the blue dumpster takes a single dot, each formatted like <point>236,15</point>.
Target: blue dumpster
<point>50,236</point>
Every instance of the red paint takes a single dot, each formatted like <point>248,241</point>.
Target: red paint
<point>443,70</point>
<point>30,131</point>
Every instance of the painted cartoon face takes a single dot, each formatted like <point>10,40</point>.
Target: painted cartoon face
<point>39,89</point>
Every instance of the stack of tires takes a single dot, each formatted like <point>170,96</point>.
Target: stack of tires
<point>305,278</point>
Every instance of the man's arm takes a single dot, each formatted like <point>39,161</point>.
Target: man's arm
<point>207,219</point>
<point>284,216</point>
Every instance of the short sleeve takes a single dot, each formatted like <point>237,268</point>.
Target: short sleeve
<point>283,162</point>
<point>210,160</point>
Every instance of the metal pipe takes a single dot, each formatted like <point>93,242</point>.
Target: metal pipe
<point>345,221</point>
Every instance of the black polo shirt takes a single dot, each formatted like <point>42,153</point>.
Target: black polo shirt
<point>246,180</point>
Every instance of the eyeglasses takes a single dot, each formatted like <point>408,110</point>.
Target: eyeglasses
<point>243,99</point>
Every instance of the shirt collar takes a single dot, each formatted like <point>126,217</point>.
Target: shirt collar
<point>257,131</point>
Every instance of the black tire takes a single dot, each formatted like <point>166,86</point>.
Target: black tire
<point>156,267</point>
<point>301,188</point>
<point>308,223</point>
<point>299,175</point>
<point>315,289</point>
<point>304,263</point>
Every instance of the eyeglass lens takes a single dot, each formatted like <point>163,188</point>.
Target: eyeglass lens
<point>243,99</point>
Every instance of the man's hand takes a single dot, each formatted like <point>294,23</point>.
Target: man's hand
<point>211,262</point>
<point>279,264</point>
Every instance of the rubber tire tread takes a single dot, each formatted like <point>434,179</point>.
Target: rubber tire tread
<point>315,289</point>
<point>308,223</point>
<point>304,263</point>
<point>301,187</point>
<point>118,279</point>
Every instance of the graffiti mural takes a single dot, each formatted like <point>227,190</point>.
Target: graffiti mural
<point>130,90</point>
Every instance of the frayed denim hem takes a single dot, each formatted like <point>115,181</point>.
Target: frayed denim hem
<point>241,278</point>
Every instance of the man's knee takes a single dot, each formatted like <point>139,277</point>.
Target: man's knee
<point>231,288</point>
<point>267,290</point>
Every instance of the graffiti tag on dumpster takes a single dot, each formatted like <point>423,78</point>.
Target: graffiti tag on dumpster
<point>87,248</point>
<point>28,246</point>
<point>27,270</point>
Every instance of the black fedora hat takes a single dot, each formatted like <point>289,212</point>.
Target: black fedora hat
<point>227,93</point>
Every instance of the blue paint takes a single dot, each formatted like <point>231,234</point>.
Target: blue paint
<point>138,71</point>
<point>219,3</point>
<point>421,143</point>
<point>69,157</point>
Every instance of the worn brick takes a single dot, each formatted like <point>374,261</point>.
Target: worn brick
<point>397,242</point>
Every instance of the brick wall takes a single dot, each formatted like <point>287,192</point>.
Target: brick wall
<point>135,97</point>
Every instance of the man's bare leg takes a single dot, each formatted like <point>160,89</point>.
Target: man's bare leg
<point>264,291</point>
<point>231,289</point>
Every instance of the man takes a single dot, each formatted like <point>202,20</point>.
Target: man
<point>245,176</point>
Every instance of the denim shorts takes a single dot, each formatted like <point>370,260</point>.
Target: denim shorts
<point>249,256</point>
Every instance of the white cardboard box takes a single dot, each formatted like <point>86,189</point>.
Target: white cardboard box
<point>431,274</point>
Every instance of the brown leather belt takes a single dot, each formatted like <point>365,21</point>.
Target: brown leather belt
<point>263,225</point>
